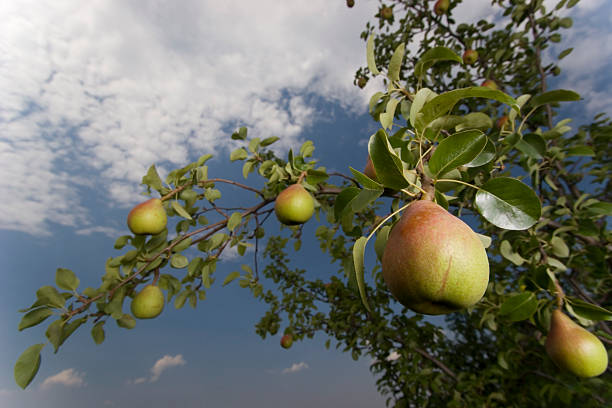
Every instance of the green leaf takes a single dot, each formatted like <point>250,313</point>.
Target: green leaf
<point>34,317</point>
<point>231,277</point>
<point>386,119</point>
<point>126,321</point>
<point>179,261</point>
<point>27,365</point>
<point>395,64</point>
<point>456,150</point>
<point>431,56</point>
<point>203,159</point>
<point>508,203</point>
<point>487,154</point>
<point>533,145</point>
<point>423,96</point>
<point>519,307</point>
<point>182,245</point>
<point>588,310</point>
<point>152,179</point>
<point>558,95</point>
<point>54,333</point>
<point>239,154</point>
<point>388,166</point>
<point>370,56</point>
<point>50,296</point>
<point>269,140</point>
<point>247,168</point>
<point>600,208</point>
<point>176,206</point>
<point>97,332</point>
<point>212,194</point>
<point>179,301</point>
<point>358,262</point>
<point>234,220</point>
<point>121,241</point>
<point>507,252</point>
<point>381,241</point>
<point>442,104</point>
<point>559,247</point>
<point>66,279</point>
<point>343,201</point>
<point>580,151</point>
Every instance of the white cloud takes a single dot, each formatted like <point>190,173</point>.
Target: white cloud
<point>295,367</point>
<point>113,87</point>
<point>68,378</point>
<point>5,393</point>
<point>159,367</point>
<point>394,355</point>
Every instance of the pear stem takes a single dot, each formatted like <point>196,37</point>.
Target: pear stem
<point>301,177</point>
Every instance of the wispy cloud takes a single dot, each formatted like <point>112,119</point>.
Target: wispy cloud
<point>295,367</point>
<point>159,367</point>
<point>68,378</point>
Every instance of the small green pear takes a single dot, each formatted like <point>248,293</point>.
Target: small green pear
<point>489,83</point>
<point>470,57</point>
<point>574,348</point>
<point>433,262</point>
<point>441,7</point>
<point>149,303</point>
<point>386,13</point>
<point>350,3</point>
<point>294,205</point>
<point>362,82</point>
<point>148,217</point>
<point>286,341</point>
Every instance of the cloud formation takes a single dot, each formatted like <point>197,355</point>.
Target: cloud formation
<point>110,88</point>
<point>68,378</point>
<point>295,367</point>
<point>159,367</point>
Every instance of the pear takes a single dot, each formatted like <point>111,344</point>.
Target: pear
<point>386,13</point>
<point>149,303</point>
<point>362,82</point>
<point>369,170</point>
<point>489,83</point>
<point>574,348</point>
<point>294,205</point>
<point>350,3</point>
<point>433,262</point>
<point>286,341</point>
<point>441,7</point>
<point>148,217</point>
<point>470,57</point>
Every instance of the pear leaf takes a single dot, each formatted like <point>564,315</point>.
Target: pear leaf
<point>456,150</point>
<point>519,307</point>
<point>358,261</point>
<point>508,203</point>
<point>66,279</point>
<point>370,56</point>
<point>27,365</point>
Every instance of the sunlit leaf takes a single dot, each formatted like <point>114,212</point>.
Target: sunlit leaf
<point>27,365</point>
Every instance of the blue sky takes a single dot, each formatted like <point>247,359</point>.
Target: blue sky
<point>93,93</point>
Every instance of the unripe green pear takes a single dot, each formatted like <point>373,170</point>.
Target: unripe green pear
<point>386,13</point>
<point>489,83</point>
<point>574,348</point>
<point>294,205</point>
<point>149,303</point>
<point>433,262</point>
<point>350,3</point>
<point>470,56</point>
<point>441,7</point>
<point>286,341</point>
<point>148,217</point>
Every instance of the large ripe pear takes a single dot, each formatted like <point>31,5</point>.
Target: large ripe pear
<point>574,348</point>
<point>294,205</point>
<point>433,262</point>
<point>149,303</point>
<point>148,217</point>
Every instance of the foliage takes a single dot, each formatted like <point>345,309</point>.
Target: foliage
<point>549,239</point>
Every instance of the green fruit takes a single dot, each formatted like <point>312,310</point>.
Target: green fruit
<point>294,205</point>
<point>470,56</point>
<point>433,262</point>
<point>574,348</point>
<point>362,82</point>
<point>489,83</point>
<point>286,341</point>
<point>149,303</point>
<point>441,7</point>
<point>386,13</point>
<point>148,217</point>
<point>350,3</point>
